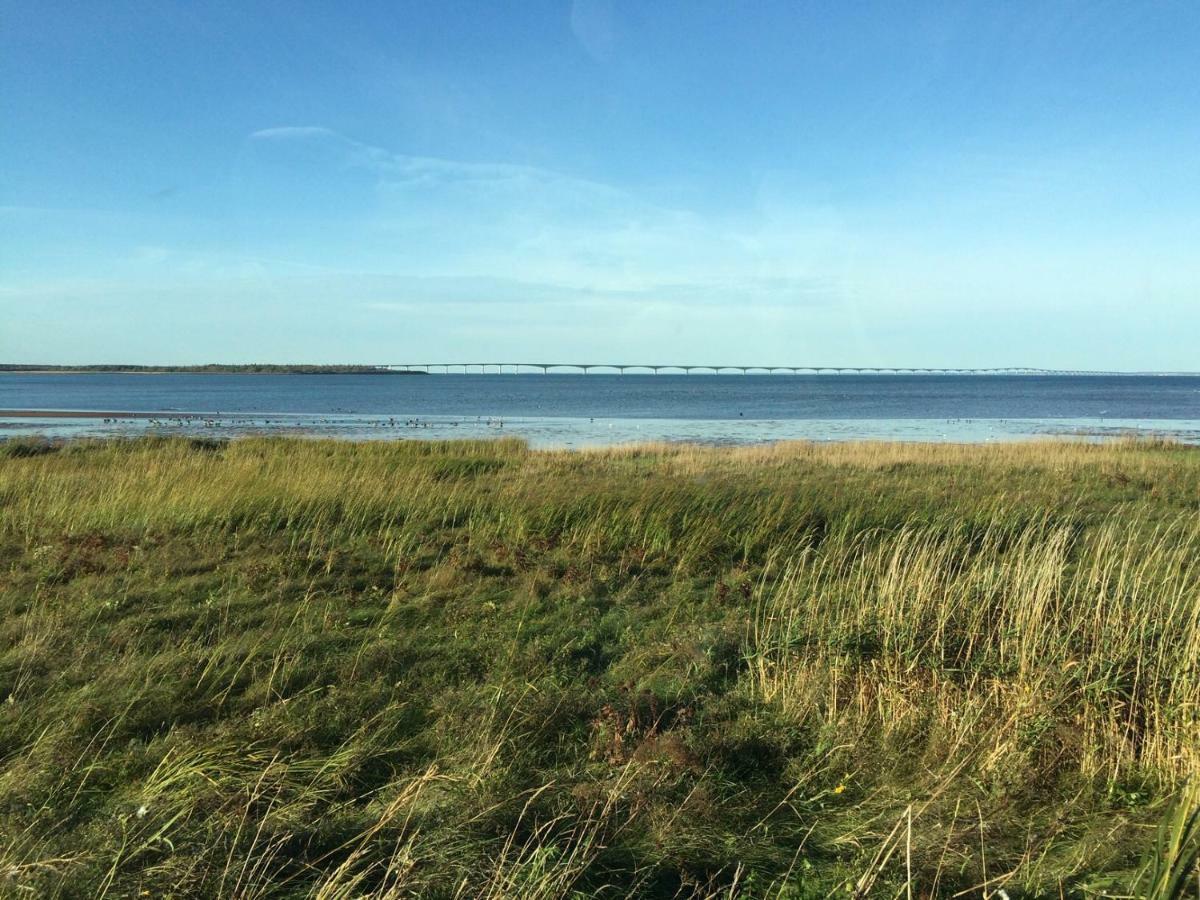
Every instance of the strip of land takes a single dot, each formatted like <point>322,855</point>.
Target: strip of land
<point>465,668</point>
<point>211,369</point>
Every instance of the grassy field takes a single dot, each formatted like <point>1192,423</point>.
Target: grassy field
<point>277,668</point>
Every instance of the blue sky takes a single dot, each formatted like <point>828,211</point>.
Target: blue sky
<point>792,183</point>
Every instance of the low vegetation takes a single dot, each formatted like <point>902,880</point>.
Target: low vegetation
<point>287,668</point>
<point>214,369</point>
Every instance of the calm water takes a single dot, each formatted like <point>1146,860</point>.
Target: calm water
<point>578,410</point>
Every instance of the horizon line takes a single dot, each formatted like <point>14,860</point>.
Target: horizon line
<point>579,368</point>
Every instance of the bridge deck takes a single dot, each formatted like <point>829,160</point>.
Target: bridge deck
<point>656,368</point>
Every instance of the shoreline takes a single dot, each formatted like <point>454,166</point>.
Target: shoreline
<point>100,414</point>
<point>576,433</point>
<point>191,372</point>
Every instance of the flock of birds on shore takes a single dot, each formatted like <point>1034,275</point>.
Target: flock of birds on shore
<point>348,423</point>
<point>193,421</point>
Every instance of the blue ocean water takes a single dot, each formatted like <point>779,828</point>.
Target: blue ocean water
<point>576,410</point>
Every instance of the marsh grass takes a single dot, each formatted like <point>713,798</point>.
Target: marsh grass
<point>275,668</point>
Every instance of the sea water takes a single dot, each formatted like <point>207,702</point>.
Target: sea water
<point>588,410</point>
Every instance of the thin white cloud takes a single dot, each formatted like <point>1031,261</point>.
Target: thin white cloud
<point>290,132</point>
<point>520,222</point>
<point>403,170</point>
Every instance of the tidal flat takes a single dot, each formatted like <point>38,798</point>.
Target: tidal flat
<point>273,667</point>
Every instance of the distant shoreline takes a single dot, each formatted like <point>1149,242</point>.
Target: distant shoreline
<point>8,369</point>
<point>302,369</point>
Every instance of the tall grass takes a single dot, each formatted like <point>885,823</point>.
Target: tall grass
<point>277,668</point>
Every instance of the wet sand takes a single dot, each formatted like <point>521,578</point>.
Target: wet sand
<point>98,414</point>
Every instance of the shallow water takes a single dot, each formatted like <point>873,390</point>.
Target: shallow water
<point>591,410</point>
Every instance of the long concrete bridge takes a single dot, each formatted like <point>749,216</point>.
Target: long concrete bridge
<point>655,369</point>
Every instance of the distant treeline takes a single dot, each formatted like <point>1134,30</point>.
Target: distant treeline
<point>251,369</point>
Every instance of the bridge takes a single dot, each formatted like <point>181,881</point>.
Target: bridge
<point>508,368</point>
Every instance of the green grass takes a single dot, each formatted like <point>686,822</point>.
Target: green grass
<point>277,668</point>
